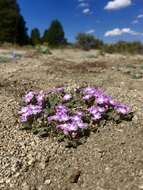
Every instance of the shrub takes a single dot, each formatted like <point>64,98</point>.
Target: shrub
<point>70,115</point>
<point>124,47</point>
<point>43,49</point>
<point>88,41</point>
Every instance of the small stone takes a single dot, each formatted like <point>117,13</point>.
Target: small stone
<point>47,182</point>
<point>107,170</point>
<point>141,187</point>
<point>75,176</point>
<point>1,181</point>
<point>40,187</point>
<point>42,165</point>
<point>31,161</point>
<point>17,174</point>
<point>25,186</point>
<point>8,181</point>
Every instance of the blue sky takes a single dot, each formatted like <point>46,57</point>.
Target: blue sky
<point>110,20</point>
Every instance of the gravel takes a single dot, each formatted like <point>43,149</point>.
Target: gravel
<point>111,159</point>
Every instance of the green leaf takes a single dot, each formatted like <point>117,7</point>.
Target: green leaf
<point>43,132</point>
<point>127,117</point>
<point>60,137</point>
<point>73,143</point>
<point>26,126</point>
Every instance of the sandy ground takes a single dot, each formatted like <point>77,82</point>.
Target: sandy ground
<point>110,159</point>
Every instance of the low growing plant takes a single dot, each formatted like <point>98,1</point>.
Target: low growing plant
<point>70,114</point>
<point>43,49</point>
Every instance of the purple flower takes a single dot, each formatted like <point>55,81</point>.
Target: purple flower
<point>23,118</point>
<point>96,117</point>
<point>67,97</point>
<point>35,109</point>
<point>52,118</point>
<point>29,96</point>
<point>61,108</point>
<point>102,99</point>
<point>62,117</point>
<point>75,118</point>
<point>123,109</point>
<point>87,97</point>
<point>82,125</point>
<point>79,113</point>
<point>89,91</point>
<point>28,111</point>
<point>98,92</point>
<point>101,109</point>
<point>112,102</point>
<point>72,127</point>
<point>59,89</point>
<point>64,128</point>
<point>93,110</point>
<point>67,128</point>
<point>40,97</point>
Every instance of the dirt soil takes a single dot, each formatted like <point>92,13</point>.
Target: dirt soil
<point>111,159</point>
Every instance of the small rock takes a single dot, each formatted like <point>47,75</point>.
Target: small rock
<point>47,182</point>
<point>25,186</point>
<point>141,187</point>
<point>75,176</point>
<point>1,181</point>
<point>42,165</point>
<point>8,181</point>
<point>107,170</point>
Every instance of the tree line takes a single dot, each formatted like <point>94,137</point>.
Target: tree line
<point>13,30</point>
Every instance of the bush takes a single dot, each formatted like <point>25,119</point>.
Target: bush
<point>43,49</point>
<point>70,114</point>
<point>124,47</point>
<point>88,41</point>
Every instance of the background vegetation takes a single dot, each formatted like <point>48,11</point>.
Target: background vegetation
<point>13,30</point>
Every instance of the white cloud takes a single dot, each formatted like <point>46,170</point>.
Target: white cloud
<point>91,31</point>
<point>135,21</point>
<point>86,11</point>
<point>83,5</point>
<point>119,32</point>
<point>117,4</point>
<point>140,16</point>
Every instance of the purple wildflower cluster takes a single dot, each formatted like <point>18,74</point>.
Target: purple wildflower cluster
<point>70,124</point>
<point>68,112</point>
<point>103,103</point>
<point>34,105</point>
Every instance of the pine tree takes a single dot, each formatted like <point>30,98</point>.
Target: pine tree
<point>22,37</point>
<point>35,36</point>
<point>45,36</point>
<point>12,24</point>
<point>55,35</point>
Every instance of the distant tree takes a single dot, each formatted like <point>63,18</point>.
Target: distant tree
<point>55,35</point>
<point>88,41</point>
<point>12,25</point>
<point>35,36</point>
<point>45,36</point>
<point>22,37</point>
